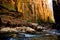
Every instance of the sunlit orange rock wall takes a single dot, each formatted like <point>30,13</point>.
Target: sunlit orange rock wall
<point>38,9</point>
<point>33,9</point>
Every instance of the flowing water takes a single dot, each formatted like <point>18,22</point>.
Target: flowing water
<point>24,36</point>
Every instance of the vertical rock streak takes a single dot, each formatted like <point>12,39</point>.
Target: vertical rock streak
<point>34,9</point>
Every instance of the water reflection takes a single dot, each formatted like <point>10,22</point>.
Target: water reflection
<point>46,35</point>
<point>23,36</point>
<point>53,32</point>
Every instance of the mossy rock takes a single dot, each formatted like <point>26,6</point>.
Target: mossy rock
<point>7,6</point>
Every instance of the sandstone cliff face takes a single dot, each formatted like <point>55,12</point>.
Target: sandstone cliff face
<point>29,10</point>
